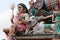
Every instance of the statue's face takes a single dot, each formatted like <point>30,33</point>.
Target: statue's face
<point>20,8</point>
<point>31,3</point>
<point>56,8</point>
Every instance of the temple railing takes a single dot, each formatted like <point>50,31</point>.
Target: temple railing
<point>37,36</point>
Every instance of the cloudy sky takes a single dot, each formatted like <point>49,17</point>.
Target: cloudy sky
<point>5,13</point>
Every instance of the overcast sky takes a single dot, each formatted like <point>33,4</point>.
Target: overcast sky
<point>5,13</point>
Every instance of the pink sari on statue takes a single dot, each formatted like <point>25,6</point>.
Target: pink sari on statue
<point>22,26</point>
